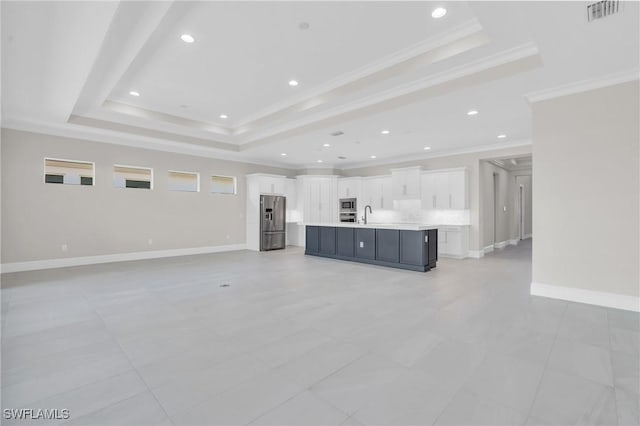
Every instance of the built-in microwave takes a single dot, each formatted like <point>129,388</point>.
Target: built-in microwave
<point>348,204</point>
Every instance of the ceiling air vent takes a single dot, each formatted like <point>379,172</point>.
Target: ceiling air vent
<point>602,9</point>
<point>337,133</point>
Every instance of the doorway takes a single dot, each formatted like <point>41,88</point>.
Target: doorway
<point>496,192</point>
<point>521,211</point>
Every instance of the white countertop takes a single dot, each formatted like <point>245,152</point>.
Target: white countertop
<point>399,226</point>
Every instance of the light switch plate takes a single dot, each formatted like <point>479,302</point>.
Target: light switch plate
<point>361,244</point>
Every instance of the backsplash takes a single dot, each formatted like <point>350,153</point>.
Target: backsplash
<point>410,211</point>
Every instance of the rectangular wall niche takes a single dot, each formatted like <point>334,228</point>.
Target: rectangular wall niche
<point>223,184</point>
<point>68,172</point>
<point>132,177</point>
<point>184,181</point>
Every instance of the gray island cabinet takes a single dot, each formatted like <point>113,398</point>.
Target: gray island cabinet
<point>396,246</point>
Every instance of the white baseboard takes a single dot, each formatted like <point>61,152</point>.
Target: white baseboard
<point>118,257</point>
<point>488,249</point>
<point>513,242</point>
<point>501,244</point>
<point>452,256</point>
<point>527,236</point>
<point>591,297</point>
<point>476,254</point>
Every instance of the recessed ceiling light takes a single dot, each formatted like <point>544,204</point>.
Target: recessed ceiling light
<point>438,12</point>
<point>187,38</point>
<point>134,93</point>
<point>303,25</point>
<point>502,136</point>
<point>293,83</point>
<point>472,112</point>
<point>385,132</point>
<point>326,145</point>
<point>373,156</point>
<point>319,161</point>
<point>223,116</point>
<point>284,154</point>
<point>427,148</point>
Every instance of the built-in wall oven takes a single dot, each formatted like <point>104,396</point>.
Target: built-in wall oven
<point>348,210</point>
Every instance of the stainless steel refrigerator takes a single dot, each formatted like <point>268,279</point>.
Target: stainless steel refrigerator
<point>273,210</point>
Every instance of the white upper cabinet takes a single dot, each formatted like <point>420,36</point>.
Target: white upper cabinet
<point>377,192</point>
<point>349,187</point>
<point>444,189</point>
<point>406,183</point>
<point>319,204</point>
<point>458,189</point>
<point>272,185</point>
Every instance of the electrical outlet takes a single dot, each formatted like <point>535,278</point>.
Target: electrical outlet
<point>228,237</point>
<point>64,248</point>
<point>361,244</point>
<point>504,208</point>
<point>150,241</point>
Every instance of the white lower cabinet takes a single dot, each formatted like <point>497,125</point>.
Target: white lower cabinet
<point>453,241</point>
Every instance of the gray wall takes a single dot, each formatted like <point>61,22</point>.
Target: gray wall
<point>38,218</point>
<point>586,151</point>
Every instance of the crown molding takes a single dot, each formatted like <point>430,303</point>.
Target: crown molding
<point>508,56</point>
<point>117,138</point>
<point>131,110</point>
<point>91,134</point>
<point>458,32</point>
<point>583,86</point>
<point>444,153</point>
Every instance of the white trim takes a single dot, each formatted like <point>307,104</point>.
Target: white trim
<point>444,153</point>
<point>455,34</point>
<point>591,297</point>
<point>514,54</point>
<point>584,85</point>
<point>118,257</point>
<point>452,256</point>
<point>488,249</point>
<point>112,137</point>
<point>513,242</point>
<point>501,244</point>
<point>476,254</point>
<point>527,236</point>
<point>450,169</point>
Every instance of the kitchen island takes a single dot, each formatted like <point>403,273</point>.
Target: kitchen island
<point>404,246</point>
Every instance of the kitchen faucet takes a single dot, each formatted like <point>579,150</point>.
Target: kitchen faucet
<point>365,213</point>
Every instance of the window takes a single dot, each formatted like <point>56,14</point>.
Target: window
<point>132,177</point>
<point>223,184</point>
<point>68,172</point>
<point>184,181</point>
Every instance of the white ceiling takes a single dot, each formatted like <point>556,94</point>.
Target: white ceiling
<point>68,67</point>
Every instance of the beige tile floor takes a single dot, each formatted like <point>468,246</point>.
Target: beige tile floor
<point>299,340</point>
